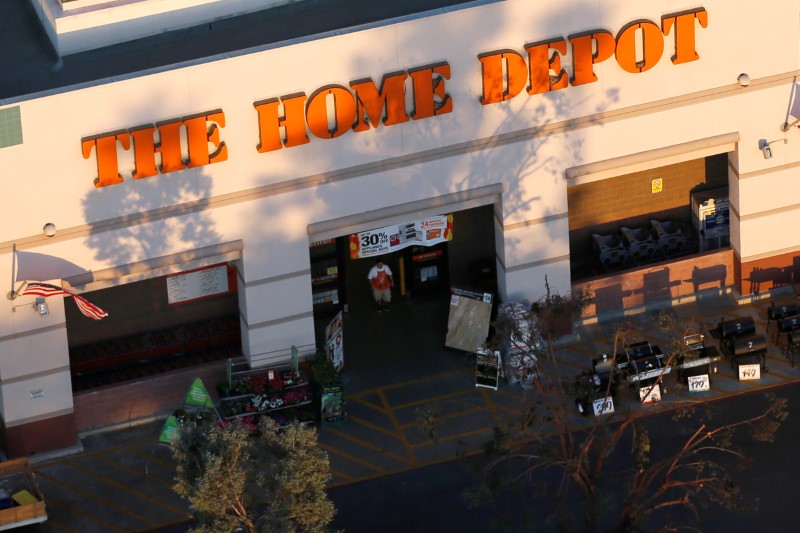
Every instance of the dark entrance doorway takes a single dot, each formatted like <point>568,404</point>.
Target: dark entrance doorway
<point>145,335</point>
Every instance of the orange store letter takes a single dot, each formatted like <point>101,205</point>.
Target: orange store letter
<point>200,131</point>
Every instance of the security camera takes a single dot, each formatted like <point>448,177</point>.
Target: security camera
<point>767,151</point>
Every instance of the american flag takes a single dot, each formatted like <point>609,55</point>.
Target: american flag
<point>90,310</point>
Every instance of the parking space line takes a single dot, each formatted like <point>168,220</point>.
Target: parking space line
<point>449,416</point>
<point>396,426</point>
<point>370,446</point>
<point>71,509</point>
<point>331,449</point>
<point>362,401</point>
<point>121,486</point>
<point>423,379</point>
<point>90,495</point>
<point>372,426</point>
<point>146,475</point>
<point>430,399</point>
<point>449,438</point>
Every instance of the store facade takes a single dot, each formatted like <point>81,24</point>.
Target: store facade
<point>551,125</point>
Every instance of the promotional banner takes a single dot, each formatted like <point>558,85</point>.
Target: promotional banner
<point>170,431</point>
<point>198,395</point>
<point>425,232</point>
<point>334,343</point>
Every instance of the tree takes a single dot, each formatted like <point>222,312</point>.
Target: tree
<point>240,478</point>
<point>608,464</point>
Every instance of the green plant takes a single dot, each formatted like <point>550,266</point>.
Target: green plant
<point>322,369</point>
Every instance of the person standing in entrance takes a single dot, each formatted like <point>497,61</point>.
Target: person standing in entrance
<point>381,280</point>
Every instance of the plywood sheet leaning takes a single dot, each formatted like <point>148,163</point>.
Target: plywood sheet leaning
<point>468,321</point>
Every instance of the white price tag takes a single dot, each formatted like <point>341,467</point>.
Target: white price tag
<point>650,394</point>
<point>603,406</point>
<point>699,383</point>
<point>748,372</point>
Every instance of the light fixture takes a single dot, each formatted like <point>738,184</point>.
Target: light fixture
<point>41,306</point>
<point>764,146</point>
<point>743,79</point>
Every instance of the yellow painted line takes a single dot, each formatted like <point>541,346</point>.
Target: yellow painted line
<point>489,403</point>
<point>163,482</point>
<point>353,458</point>
<point>368,404</point>
<point>68,459</point>
<point>489,429</point>
<point>168,524</point>
<point>514,396</point>
<point>372,447</point>
<point>71,509</point>
<point>370,426</point>
<point>90,495</point>
<point>424,379</point>
<point>450,416</point>
<point>137,493</point>
<point>151,456</point>
<point>423,401</point>
<point>396,426</point>
<point>342,475</point>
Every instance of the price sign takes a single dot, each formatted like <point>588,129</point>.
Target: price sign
<point>650,394</point>
<point>748,372</point>
<point>699,383</point>
<point>603,406</point>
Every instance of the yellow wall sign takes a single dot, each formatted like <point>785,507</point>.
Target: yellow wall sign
<point>657,185</point>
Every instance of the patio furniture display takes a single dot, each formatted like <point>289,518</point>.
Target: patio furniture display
<point>640,243</point>
<point>670,238</point>
<point>612,252</point>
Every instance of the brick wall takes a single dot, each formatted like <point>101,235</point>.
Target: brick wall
<point>692,276</point>
<point>765,274</point>
<point>154,396</point>
<point>630,196</point>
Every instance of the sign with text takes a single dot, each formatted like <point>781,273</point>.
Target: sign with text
<point>425,232</point>
<point>650,394</point>
<point>748,372</point>
<point>603,406</point>
<point>699,383</point>
<point>334,343</point>
<point>196,284</point>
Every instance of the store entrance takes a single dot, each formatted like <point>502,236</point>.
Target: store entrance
<point>409,340</point>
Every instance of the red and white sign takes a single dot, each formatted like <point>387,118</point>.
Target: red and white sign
<point>425,232</point>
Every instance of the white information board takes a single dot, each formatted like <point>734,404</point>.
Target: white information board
<point>603,406</point>
<point>699,383</point>
<point>650,394</point>
<point>748,372</point>
<point>197,284</point>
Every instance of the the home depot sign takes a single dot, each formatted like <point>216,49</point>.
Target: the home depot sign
<point>334,110</point>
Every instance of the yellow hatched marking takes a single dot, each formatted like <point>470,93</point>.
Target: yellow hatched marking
<point>454,437</point>
<point>137,493</point>
<point>342,475</point>
<point>378,390</point>
<point>145,474</point>
<point>489,403</point>
<point>396,426</point>
<point>452,415</point>
<point>431,399</point>
<point>369,446</point>
<point>368,404</point>
<point>353,458</point>
<point>371,426</point>
<point>104,451</point>
<point>151,456</point>
<point>71,509</point>
<point>97,498</point>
